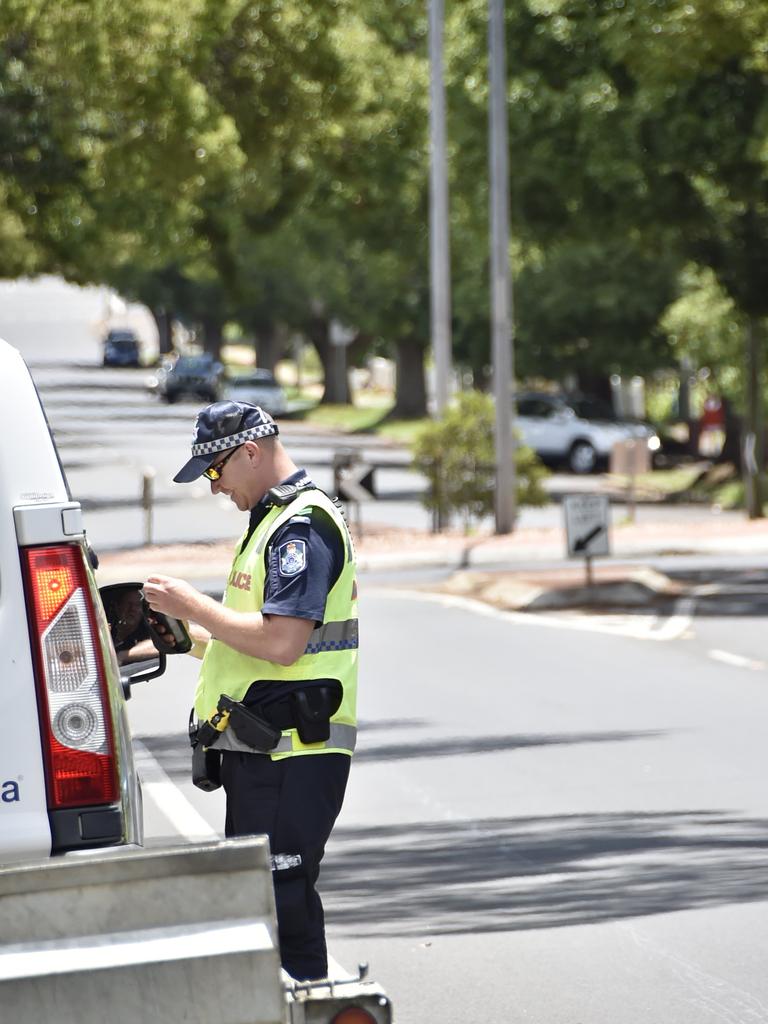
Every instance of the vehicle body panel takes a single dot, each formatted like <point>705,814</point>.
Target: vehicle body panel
<point>36,509</point>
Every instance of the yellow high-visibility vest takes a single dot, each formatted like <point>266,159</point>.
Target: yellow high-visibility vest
<point>331,652</point>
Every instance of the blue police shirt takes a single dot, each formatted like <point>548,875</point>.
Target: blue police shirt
<point>305,558</point>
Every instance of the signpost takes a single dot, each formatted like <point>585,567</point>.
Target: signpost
<point>340,338</point>
<point>356,483</point>
<point>631,459</point>
<point>586,527</point>
<point>353,480</point>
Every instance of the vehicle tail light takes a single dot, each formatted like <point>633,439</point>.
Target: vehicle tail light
<point>71,683</point>
<point>354,1015</point>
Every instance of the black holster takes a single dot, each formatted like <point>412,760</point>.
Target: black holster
<point>312,711</point>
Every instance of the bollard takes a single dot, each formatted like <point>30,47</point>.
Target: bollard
<point>147,501</point>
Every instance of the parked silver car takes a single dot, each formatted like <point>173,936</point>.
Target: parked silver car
<point>577,432</point>
<point>188,377</point>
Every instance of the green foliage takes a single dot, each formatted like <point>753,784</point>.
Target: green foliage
<point>266,161</point>
<point>456,454</point>
<point>703,324</point>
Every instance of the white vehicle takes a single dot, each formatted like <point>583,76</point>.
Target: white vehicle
<point>67,778</point>
<point>578,432</point>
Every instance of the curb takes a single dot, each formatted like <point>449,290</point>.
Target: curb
<point>519,587</point>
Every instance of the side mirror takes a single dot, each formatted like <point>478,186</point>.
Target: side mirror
<point>141,638</point>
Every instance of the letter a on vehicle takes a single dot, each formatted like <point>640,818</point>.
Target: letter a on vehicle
<point>10,792</point>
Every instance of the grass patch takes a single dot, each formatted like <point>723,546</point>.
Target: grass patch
<point>372,417</point>
<point>401,431</point>
<point>730,495</point>
<point>347,419</point>
<point>666,482</point>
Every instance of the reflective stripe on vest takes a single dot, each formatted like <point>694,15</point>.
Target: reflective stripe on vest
<point>342,737</point>
<point>333,636</point>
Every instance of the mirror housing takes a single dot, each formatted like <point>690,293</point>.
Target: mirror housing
<point>141,650</point>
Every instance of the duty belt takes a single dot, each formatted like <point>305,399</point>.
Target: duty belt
<point>342,737</point>
<point>249,726</point>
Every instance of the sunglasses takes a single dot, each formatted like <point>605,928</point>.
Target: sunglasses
<point>214,472</point>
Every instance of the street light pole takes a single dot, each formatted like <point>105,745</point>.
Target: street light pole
<point>501,286</point>
<point>439,250</point>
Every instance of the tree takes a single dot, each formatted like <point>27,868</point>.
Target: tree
<point>456,455</point>
<point>701,107</point>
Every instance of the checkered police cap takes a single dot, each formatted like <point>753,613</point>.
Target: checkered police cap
<point>221,426</point>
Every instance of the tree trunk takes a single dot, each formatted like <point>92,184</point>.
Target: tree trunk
<point>411,390</point>
<point>267,347</point>
<point>212,337</point>
<point>334,360</point>
<point>596,385</point>
<point>753,447</point>
<point>163,322</point>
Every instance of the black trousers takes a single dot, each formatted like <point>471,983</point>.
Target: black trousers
<point>295,801</point>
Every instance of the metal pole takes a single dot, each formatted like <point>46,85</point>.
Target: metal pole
<point>148,501</point>
<point>753,455</point>
<point>501,286</point>
<point>439,250</point>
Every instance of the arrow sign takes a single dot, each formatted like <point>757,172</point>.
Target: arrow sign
<point>586,524</point>
<point>356,483</point>
<point>583,542</point>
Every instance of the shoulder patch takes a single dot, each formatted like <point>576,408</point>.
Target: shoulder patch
<point>292,558</point>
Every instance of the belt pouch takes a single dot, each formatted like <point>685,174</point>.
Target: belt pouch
<point>251,729</point>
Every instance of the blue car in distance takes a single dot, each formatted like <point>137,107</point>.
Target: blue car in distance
<point>122,348</point>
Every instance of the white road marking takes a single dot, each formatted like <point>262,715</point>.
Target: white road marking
<point>679,622</point>
<point>736,659</point>
<point>638,627</point>
<point>156,784</point>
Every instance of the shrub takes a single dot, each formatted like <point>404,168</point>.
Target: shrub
<point>456,454</point>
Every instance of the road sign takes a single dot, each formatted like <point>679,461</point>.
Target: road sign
<point>631,457</point>
<point>355,483</point>
<point>586,524</point>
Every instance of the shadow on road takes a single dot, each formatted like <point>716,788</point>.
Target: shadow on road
<point>505,874</point>
<point>519,873</point>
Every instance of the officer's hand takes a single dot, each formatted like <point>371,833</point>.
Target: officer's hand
<point>171,596</point>
<point>162,629</point>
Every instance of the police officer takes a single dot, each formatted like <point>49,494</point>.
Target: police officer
<point>282,645</point>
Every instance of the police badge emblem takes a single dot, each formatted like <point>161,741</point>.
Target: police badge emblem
<point>292,557</point>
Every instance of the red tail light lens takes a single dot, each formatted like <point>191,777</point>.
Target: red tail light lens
<point>354,1015</point>
<point>72,692</point>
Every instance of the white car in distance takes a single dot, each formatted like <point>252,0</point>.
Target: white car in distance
<point>576,432</point>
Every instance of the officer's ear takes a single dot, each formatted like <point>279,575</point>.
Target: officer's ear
<point>254,453</point>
